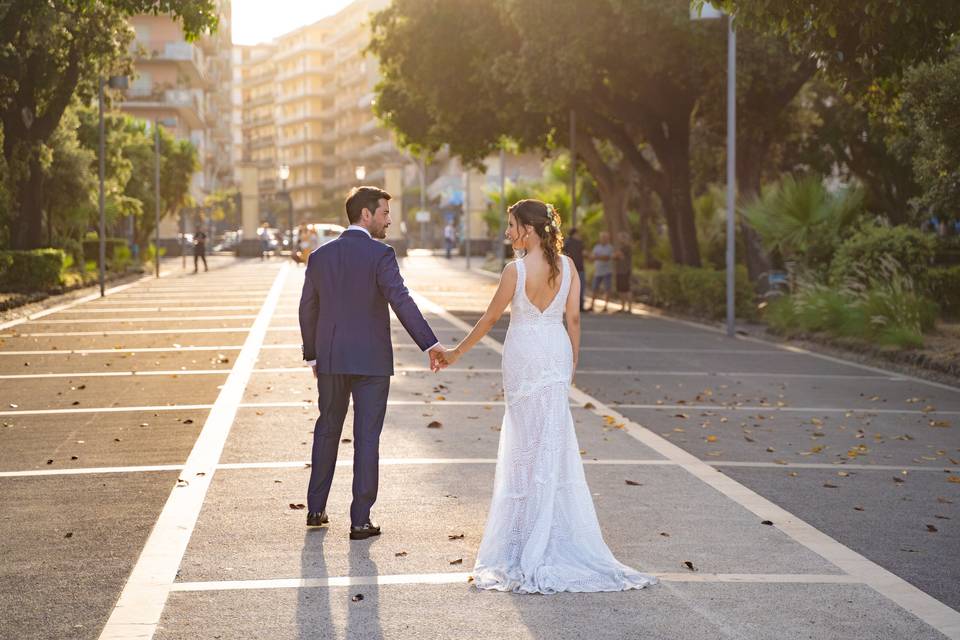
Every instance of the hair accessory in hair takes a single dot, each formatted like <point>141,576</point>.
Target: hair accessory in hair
<point>551,217</point>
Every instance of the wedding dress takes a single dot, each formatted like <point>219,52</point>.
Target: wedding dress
<point>542,534</point>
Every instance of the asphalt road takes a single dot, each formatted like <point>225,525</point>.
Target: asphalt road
<point>153,448</point>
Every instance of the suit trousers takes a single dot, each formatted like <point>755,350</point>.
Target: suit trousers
<point>369,409</point>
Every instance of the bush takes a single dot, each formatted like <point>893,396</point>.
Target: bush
<point>943,285</point>
<point>863,253</point>
<point>31,271</point>
<point>91,247</point>
<point>702,291</point>
<point>887,310</point>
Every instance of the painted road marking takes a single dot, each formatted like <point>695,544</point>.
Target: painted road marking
<point>141,602</point>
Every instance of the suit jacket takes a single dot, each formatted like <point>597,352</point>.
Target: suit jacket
<point>344,319</point>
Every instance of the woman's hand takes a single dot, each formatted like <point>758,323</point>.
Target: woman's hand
<point>451,355</point>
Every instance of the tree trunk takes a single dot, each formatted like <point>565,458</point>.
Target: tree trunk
<point>27,232</point>
<point>748,183</point>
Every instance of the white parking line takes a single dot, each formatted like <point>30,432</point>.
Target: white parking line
<point>143,319</point>
<point>144,596</point>
<point>84,352</point>
<point>244,405</point>
<point>461,577</point>
<point>769,408</point>
<point>127,332</point>
<point>893,587</point>
<point>394,462</point>
<point>184,309</point>
<point>71,304</point>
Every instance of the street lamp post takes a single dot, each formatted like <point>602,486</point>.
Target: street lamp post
<point>283,172</point>
<point>115,82</point>
<point>706,12</point>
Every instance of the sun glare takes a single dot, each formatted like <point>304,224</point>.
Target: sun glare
<point>256,21</point>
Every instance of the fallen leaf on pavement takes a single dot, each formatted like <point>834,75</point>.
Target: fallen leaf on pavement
<point>589,405</point>
<point>689,565</point>
<point>830,486</point>
<point>766,522</point>
<point>457,561</point>
<point>69,534</point>
<point>931,528</point>
<point>400,554</point>
<point>357,598</point>
<point>633,483</point>
<point>435,424</point>
<point>297,506</point>
<point>454,536</point>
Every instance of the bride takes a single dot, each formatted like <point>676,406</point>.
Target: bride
<point>542,534</point>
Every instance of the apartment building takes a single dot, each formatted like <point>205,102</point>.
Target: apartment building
<point>255,97</point>
<point>188,85</point>
<point>321,85</point>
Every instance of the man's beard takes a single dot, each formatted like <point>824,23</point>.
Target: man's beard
<point>379,233</point>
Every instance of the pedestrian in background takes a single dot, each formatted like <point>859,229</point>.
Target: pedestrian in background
<point>264,241</point>
<point>573,247</point>
<point>623,267</point>
<point>449,238</point>
<point>199,249</point>
<point>602,255</point>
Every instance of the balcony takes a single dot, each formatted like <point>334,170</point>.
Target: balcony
<point>189,58</point>
<point>259,101</point>
<point>187,105</point>
<point>263,77</point>
<point>303,48</point>
<point>293,96</point>
<point>304,70</point>
<point>262,142</point>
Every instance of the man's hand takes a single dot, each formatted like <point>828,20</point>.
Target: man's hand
<point>437,360</point>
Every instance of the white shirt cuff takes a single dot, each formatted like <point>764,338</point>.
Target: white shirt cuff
<point>432,347</point>
<point>312,363</point>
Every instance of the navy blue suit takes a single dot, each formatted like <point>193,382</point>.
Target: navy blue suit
<point>345,326</point>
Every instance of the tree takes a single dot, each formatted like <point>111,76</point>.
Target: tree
<point>50,52</point>
<point>469,73</point>
<point>929,138</point>
<point>857,41</point>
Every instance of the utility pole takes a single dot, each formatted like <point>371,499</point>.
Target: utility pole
<point>573,168</point>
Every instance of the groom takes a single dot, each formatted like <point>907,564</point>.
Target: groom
<point>345,326</point>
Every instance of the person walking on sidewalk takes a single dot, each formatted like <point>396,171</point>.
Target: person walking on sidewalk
<point>449,238</point>
<point>624,270</point>
<point>602,256</point>
<point>573,247</point>
<point>199,249</point>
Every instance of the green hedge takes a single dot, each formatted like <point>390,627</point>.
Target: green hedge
<point>31,271</point>
<point>91,248</point>
<point>863,254</point>
<point>702,291</point>
<point>943,286</point>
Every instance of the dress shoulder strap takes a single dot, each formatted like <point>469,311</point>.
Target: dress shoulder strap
<point>521,276</point>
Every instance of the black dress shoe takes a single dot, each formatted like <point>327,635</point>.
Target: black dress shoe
<point>364,531</point>
<point>315,519</point>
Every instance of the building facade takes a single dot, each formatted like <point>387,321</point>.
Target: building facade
<point>188,86</point>
<point>323,127</point>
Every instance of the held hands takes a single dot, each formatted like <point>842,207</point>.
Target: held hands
<point>437,361</point>
<point>441,357</point>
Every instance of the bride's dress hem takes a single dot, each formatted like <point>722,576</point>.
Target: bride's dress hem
<point>542,582</point>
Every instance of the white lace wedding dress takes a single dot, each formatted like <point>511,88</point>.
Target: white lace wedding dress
<point>542,534</point>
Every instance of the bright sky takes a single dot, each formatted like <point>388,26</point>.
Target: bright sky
<point>256,21</point>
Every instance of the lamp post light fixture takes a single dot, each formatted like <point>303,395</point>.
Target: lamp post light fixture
<point>360,172</point>
<point>114,82</point>
<point>707,12</point>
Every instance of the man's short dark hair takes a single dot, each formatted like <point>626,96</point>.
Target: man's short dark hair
<point>361,198</point>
